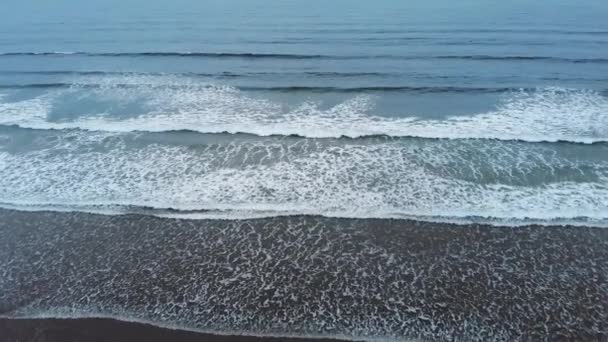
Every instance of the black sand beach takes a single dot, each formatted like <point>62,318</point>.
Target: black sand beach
<point>298,276</point>
<point>101,330</point>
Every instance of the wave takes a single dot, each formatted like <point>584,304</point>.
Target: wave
<point>519,219</point>
<point>524,58</point>
<point>169,54</point>
<point>412,89</point>
<point>36,85</point>
<point>226,134</point>
<point>250,55</point>
<point>450,31</point>
<point>247,176</point>
<point>284,89</point>
<point>220,74</point>
<point>156,104</point>
<point>253,74</point>
<point>525,31</point>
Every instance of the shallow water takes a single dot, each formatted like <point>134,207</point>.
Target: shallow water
<point>436,110</point>
<point>358,279</point>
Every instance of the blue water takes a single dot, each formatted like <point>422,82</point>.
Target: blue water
<point>471,110</point>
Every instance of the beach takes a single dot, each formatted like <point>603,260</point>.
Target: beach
<point>240,170</point>
<point>93,329</point>
<point>306,276</point>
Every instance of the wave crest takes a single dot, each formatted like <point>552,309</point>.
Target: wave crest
<point>171,104</point>
<point>250,55</point>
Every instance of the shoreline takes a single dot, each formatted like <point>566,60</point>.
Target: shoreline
<point>116,330</point>
<point>304,276</point>
<point>169,213</point>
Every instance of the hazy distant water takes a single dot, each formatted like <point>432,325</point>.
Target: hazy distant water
<point>433,109</point>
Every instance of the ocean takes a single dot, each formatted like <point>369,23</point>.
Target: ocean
<point>326,119</point>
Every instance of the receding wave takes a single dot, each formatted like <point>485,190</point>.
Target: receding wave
<point>251,55</point>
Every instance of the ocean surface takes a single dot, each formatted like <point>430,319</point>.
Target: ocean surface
<point>355,169</point>
<point>439,110</point>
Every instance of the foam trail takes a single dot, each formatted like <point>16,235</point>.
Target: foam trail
<point>376,280</point>
<point>251,176</point>
<point>170,103</point>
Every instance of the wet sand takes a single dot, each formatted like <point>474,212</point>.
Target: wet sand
<point>102,330</point>
<point>303,276</point>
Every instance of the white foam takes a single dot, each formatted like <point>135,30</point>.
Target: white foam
<point>99,170</point>
<point>171,103</point>
<point>299,176</point>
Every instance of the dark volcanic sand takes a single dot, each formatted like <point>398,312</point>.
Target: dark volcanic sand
<point>306,275</point>
<point>102,330</point>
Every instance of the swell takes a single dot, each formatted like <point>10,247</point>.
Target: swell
<point>253,74</point>
<point>453,30</point>
<point>250,55</point>
<point>524,58</point>
<point>283,89</point>
<point>220,74</point>
<point>168,54</point>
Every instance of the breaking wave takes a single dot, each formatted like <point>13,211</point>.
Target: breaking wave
<point>155,104</point>
<point>247,176</point>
